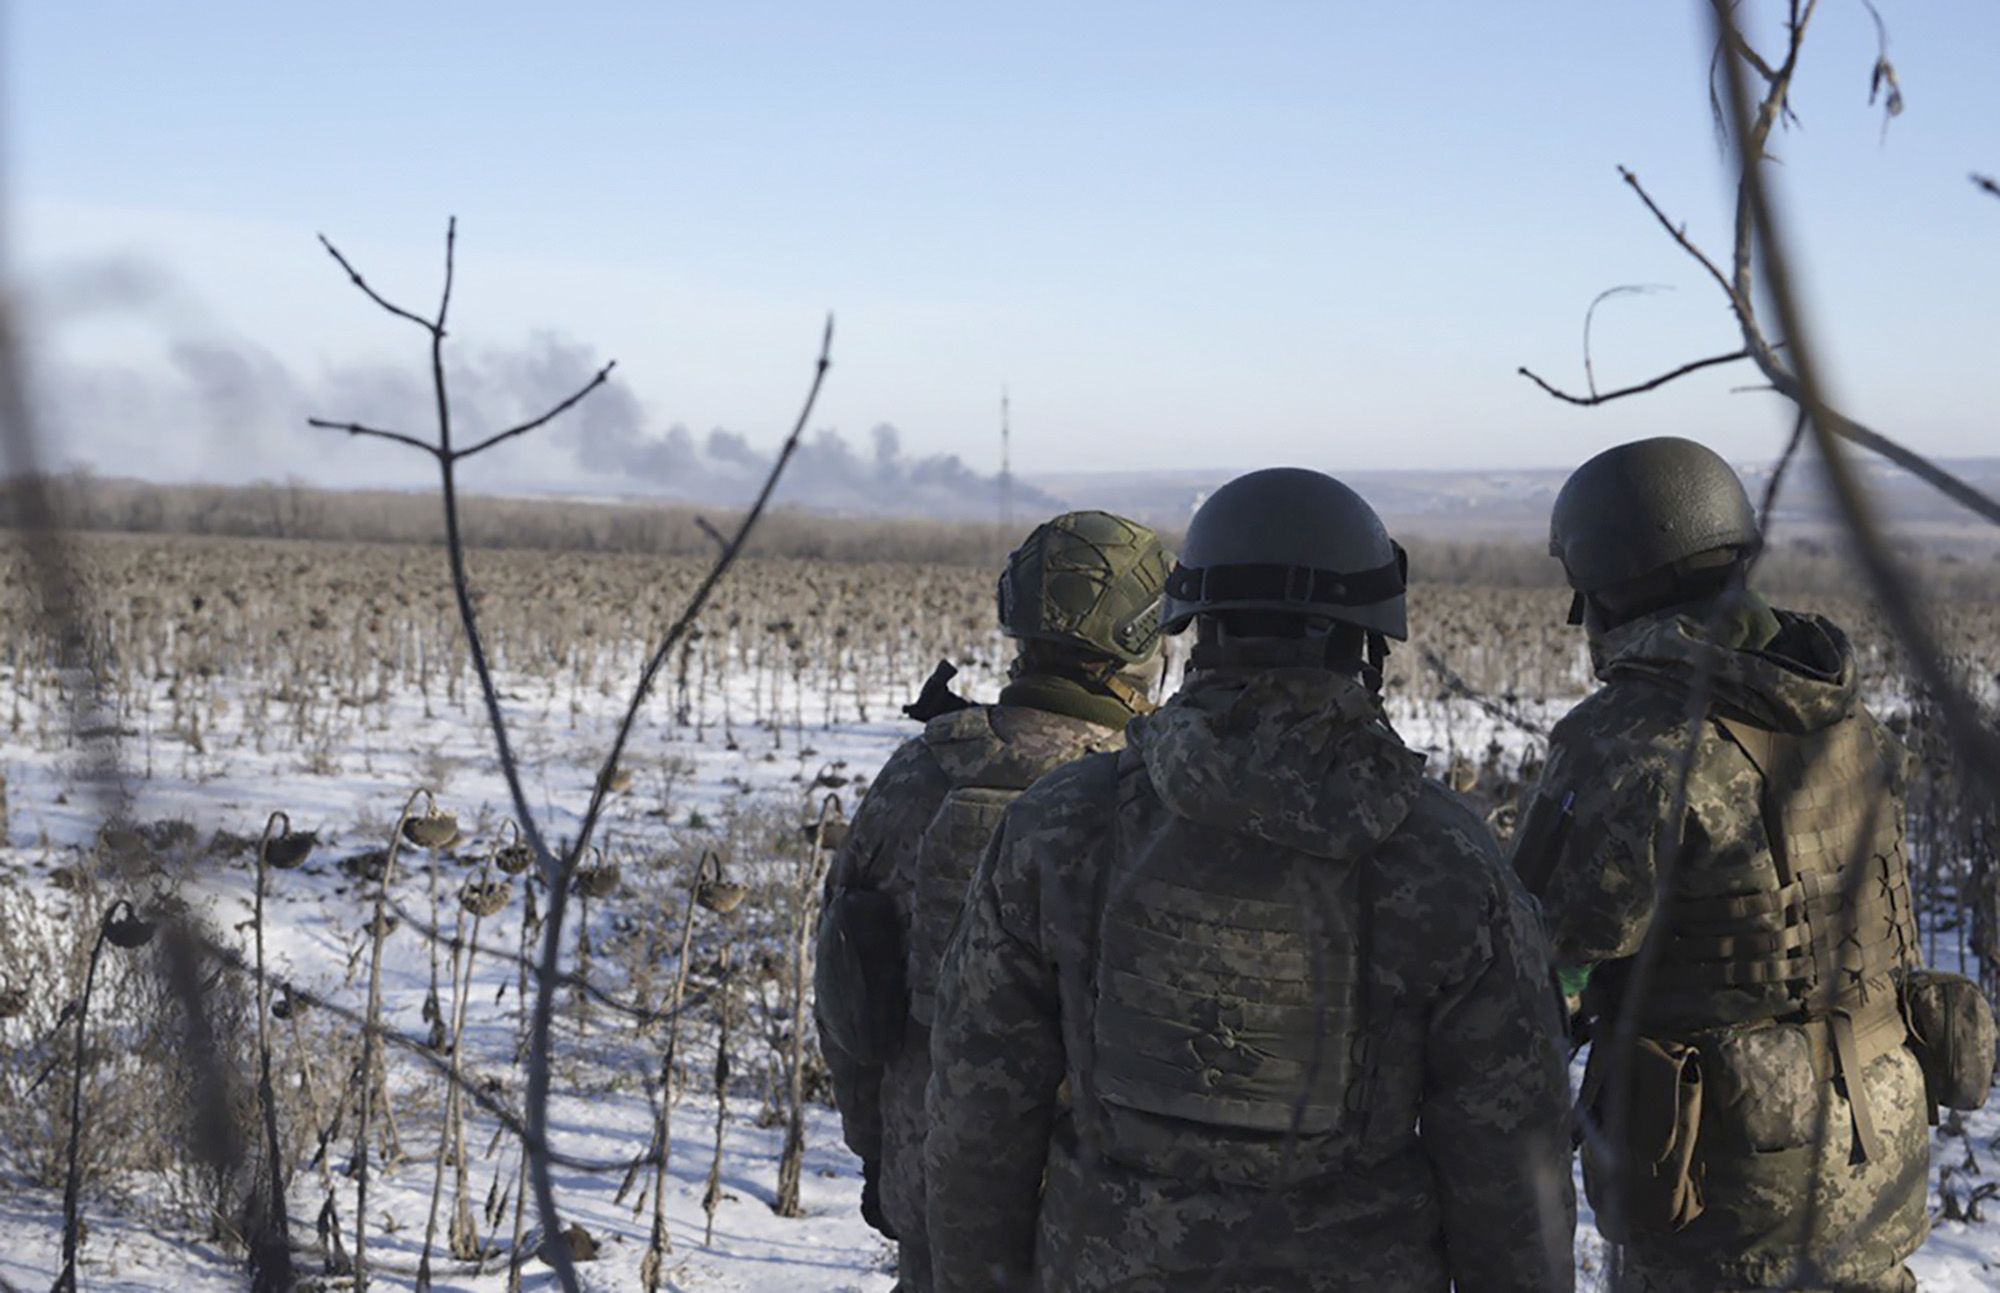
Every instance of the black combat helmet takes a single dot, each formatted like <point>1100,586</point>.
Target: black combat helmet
<point>1634,522</point>
<point>1090,581</point>
<point>1290,541</point>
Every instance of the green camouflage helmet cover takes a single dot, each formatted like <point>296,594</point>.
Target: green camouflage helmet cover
<point>1644,507</point>
<point>1089,580</point>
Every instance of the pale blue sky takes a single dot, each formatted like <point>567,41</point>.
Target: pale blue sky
<point>1186,234</point>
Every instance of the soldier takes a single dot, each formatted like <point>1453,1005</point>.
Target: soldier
<point>1769,1112</point>
<point>1082,597</point>
<point>1252,1005</point>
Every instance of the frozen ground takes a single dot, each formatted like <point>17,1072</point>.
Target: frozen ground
<point>681,786</point>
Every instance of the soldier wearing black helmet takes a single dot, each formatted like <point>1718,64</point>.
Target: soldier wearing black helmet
<point>1772,1113</point>
<point>1252,1005</point>
<point>1081,596</point>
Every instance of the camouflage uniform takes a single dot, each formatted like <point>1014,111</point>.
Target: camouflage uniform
<point>1779,980</point>
<point>1201,998</point>
<point>917,837</point>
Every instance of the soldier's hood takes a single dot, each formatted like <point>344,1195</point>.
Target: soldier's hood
<point>1801,679</point>
<point>1300,757</point>
<point>1010,745</point>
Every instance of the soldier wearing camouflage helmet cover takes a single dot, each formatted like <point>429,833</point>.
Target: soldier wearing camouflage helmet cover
<point>1252,1005</point>
<point>1081,596</point>
<point>1786,957</point>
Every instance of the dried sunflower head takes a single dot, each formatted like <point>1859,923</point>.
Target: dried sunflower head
<point>596,881</point>
<point>720,896</point>
<point>486,898</point>
<point>514,859</point>
<point>290,849</point>
<point>128,931</point>
<point>434,830</point>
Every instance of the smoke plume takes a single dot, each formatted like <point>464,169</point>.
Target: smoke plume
<point>234,412</point>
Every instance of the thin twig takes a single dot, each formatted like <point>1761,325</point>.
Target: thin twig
<point>554,413</point>
<point>715,536</point>
<point>475,1087</point>
<point>639,1014</point>
<point>1976,747</point>
<point>539,1033</point>
<point>1594,398</point>
<point>354,276</point>
<point>1737,290</point>
<point>355,428</point>
<point>1678,232</point>
<point>1590,316</point>
<point>1768,506</point>
<point>1455,683</point>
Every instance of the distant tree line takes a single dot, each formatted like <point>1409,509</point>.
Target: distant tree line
<point>1806,563</point>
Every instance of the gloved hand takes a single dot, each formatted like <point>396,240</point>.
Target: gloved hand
<point>871,1198</point>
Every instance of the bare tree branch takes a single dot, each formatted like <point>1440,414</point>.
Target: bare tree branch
<point>1734,40</point>
<point>1946,483</point>
<point>1679,233</point>
<point>354,277</point>
<point>1737,287</point>
<point>640,1014</point>
<point>1594,398</point>
<point>555,870</point>
<point>1883,76</point>
<point>450,272</point>
<point>543,420</point>
<point>1455,683</point>
<point>716,536</point>
<point>1987,183</point>
<point>1590,316</point>
<point>479,1089</point>
<point>1767,507</point>
<point>539,1027</point>
<point>1976,747</point>
<point>355,428</point>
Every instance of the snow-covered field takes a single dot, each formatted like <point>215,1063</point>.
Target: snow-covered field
<point>686,793</point>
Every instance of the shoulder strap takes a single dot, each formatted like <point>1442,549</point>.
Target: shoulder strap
<point>1127,785</point>
<point>1765,750</point>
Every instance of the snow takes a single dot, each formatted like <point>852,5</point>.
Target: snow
<point>360,777</point>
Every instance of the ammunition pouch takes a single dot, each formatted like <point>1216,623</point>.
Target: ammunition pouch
<point>1765,1085</point>
<point>1656,1186</point>
<point>859,976</point>
<point>1952,1032</point>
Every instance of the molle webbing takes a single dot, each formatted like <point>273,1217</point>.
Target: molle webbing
<point>1229,986</point>
<point>1826,929</point>
<point>1838,926</point>
<point>948,858</point>
<point>988,773</point>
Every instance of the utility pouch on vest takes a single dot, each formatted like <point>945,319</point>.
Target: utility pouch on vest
<point>859,975</point>
<point>1662,1172</point>
<point>1764,1084</point>
<point>1952,1033</point>
<point>947,859</point>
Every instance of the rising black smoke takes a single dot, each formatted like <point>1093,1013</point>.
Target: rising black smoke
<point>234,412</point>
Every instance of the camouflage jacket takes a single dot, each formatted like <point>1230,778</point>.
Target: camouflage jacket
<point>1044,1172</point>
<point>1591,847</point>
<point>882,1108</point>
